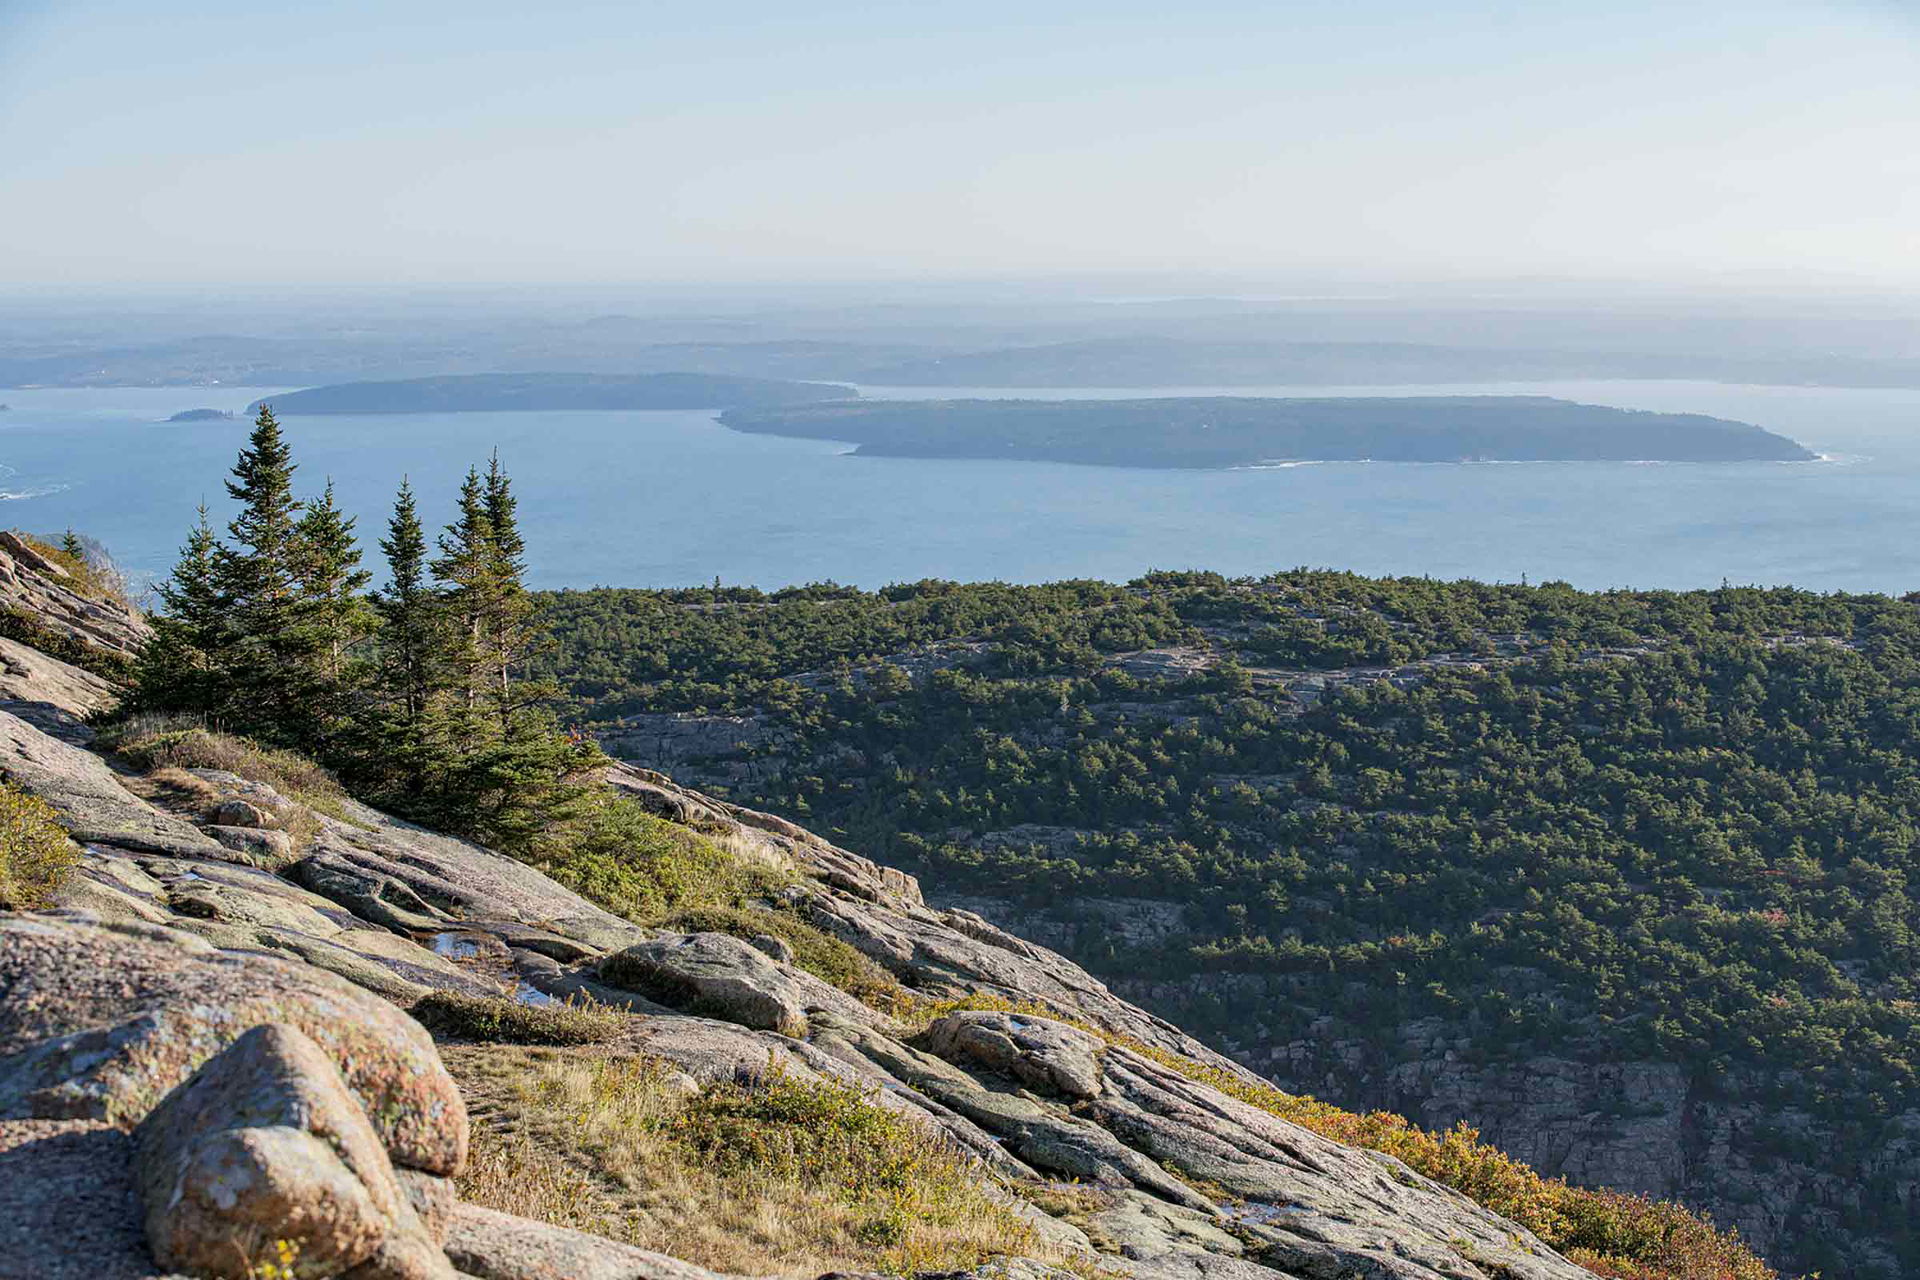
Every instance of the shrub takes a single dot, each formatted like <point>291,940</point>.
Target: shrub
<point>159,742</point>
<point>777,1176</point>
<point>35,853</point>
<point>110,665</point>
<point>496,1018</point>
<point>645,868</point>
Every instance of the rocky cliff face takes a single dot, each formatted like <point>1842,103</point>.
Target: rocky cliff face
<point>204,1056</point>
<point>1723,1141</point>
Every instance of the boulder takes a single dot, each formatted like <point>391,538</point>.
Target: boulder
<point>497,1246</point>
<point>241,813</point>
<point>257,846</point>
<point>265,1144</point>
<point>712,974</point>
<point>778,950</point>
<point>100,1022</point>
<point>1041,1052</point>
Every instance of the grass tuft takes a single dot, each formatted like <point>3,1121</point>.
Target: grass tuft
<point>501,1020</point>
<point>163,743</point>
<point>781,1176</point>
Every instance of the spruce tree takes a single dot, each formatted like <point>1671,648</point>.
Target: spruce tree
<point>511,629</point>
<point>465,571</point>
<point>509,769</point>
<point>277,682</point>
<point>412,745</point>
<point>408,609</point>
<point>184,666</point>
<point>331,581</point>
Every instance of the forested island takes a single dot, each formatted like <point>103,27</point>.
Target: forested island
<point>495,392</point>
<point>202,415</point>
<point>1230,431</point>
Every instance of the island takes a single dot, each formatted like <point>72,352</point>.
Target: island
<point>202,415</point>
<point>500,392</point>
<point>1229,431</point>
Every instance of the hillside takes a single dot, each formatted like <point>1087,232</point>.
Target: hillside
<point>733,1046</point>
<point>1221,431</point>
<point>1621,878</point>
<point>498,392</point>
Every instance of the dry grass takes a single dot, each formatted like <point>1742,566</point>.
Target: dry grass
<point>92,573</point>
<point>781,1177</point>
<point>500,1020</point>
<point>166,747</point>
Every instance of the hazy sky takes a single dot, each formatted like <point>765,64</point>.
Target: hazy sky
<point>470,140</point>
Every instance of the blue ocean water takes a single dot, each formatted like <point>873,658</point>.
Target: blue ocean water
<point>671,498</point>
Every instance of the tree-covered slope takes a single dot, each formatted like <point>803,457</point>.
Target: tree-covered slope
<point>1442,846</point>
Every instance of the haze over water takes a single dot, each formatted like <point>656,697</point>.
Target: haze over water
<point>672,499</point>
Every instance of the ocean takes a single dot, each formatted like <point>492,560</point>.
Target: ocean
<point>673,499</point>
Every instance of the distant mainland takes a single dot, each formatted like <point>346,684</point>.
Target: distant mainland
<point>499,392</point>
<point>1231,431</point>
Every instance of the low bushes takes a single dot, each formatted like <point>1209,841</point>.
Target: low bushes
<point>775,1176</point>
<point>646,868</point>
<point>498,1019</point>
<point>110,665</point>
<point>35,853</point>
<point>156,742</point>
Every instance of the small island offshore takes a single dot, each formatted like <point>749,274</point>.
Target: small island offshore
<point>504,392</point>
<point>1240,432</point>
<point>202,415</point>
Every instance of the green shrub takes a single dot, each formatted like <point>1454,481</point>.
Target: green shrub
<point>35,853</point>
<point>645,868</point>
<point>499,1019</point>
<point>110,665</point>
<point>834,1137</point>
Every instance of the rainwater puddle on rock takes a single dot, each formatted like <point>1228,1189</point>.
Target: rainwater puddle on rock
<point>455,946</point>
<point>527,993</point>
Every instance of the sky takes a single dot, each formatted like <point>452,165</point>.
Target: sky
<point>565,141</point>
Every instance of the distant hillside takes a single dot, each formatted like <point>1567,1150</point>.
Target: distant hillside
<point>1229,432</point>
<point>482,392</point>
<point>1150,361</point>
<point>1625,879</point>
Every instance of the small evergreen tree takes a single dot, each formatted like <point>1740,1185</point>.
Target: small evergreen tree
<point>183,667</point>
<point>331,581</point>
<point>465,572</point>
<point>511,628</point>
<point>411,744</point>
<point>275,668</point>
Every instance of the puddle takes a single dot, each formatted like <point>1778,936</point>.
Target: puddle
<point>527,993</point>
<point>455,946</point>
